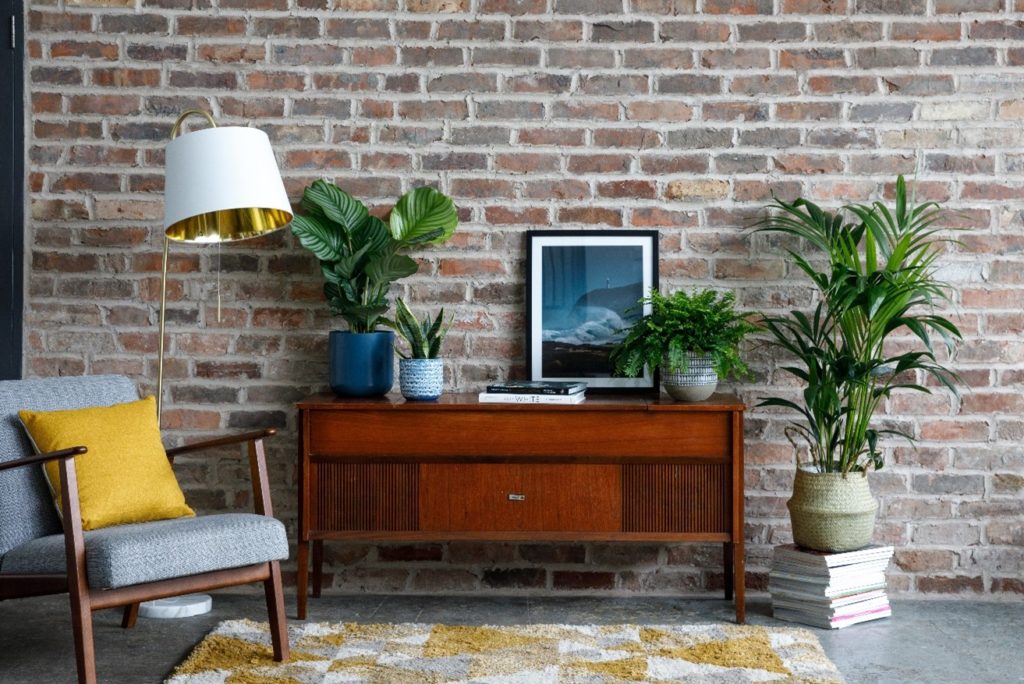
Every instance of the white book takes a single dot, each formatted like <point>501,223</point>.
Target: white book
<point>838,623</point>
<point>876,577</point>
<point>824,591</point>
<point>839,612</point>
<point>792,553</point>
<point>837,572</point>
<point>494,398</point>
<point>826,602</point>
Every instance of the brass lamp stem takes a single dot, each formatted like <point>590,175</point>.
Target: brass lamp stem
<point>163,318</point>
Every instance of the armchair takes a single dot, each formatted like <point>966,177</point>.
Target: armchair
<point>126,564</point>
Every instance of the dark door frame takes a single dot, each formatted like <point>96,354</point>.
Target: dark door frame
<point>12,188</point>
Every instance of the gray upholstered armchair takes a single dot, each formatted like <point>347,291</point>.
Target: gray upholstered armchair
<point>126,564</point>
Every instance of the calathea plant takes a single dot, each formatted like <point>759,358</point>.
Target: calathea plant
<point>361,255</point>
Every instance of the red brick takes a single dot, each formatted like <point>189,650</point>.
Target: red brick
<point>814,6</point>
<point>659,111</point>
<point>950,585</point>
<point>591,215</point>
<point>599,163</point>
<point>470,267</point>
<point>563,137</point>
<point>87,49</point>
<point>521,162</point>
<point>656,217</point>
<point>926,31</point>
<point>738,6</point>
<point>628,189</point>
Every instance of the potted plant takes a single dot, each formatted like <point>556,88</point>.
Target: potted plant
<point>876,281</point>
<point>360,257</point>
<point>420,372</point>
<point>694,340</point>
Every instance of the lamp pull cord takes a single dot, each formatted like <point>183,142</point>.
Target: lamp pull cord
<point>218,282</point>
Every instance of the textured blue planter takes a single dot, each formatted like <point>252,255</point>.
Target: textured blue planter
<point>361,364</point>
<point>421,379</point>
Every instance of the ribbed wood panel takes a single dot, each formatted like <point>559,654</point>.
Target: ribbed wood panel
<point>681,497</point>
<point>366,496</point>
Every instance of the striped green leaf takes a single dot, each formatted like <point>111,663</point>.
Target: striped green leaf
<point>423,211</point>
<point>336,204</point>
<point>318,237</point>
<point>390,268</point>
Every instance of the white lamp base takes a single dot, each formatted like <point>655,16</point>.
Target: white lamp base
<point>176,606</point>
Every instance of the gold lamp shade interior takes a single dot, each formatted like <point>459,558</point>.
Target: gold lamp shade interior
<point>228,225</point>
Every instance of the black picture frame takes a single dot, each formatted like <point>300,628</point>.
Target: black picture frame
<point>572,321</point>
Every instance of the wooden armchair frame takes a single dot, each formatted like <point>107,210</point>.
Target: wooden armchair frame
<point>85,600</point>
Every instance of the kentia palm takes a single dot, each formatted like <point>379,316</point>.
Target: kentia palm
<point>879,281</point>
<point>360,257</point>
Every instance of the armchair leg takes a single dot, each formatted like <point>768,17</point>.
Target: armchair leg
<point>81,626</point>
<point>78,586</point>
<point>131,614</point>
<point>275,612</point>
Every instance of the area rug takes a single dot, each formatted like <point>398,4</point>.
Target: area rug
<point>238,652</point>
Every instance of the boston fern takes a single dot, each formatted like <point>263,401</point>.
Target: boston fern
<point>879,282</point>
<point>424,337</point>
<point>360,255</point>
<point>705,322</point>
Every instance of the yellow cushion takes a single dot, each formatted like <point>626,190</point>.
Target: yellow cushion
<point>125,477</point>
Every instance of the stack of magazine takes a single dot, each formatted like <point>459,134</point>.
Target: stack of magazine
<point>534,392</point>
<point>829,590</point>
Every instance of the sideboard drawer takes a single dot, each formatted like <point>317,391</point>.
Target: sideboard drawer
<point>561,432</point>
<point>497,497</point>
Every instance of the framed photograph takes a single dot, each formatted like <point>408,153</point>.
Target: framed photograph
<point>581,290</point>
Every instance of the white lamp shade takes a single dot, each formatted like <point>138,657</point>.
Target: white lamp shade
<point>223,184</point>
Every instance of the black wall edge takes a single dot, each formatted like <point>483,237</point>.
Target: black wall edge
<point>12,188</point>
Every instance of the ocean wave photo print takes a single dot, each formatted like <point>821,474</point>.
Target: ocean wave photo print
<point>583,288</point>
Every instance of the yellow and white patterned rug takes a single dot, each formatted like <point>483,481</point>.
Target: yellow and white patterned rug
<point>238,652</point>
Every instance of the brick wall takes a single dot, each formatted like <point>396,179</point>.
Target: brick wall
<point>680,115</point>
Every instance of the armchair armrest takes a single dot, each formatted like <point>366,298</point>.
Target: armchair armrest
<point>257,462</point>
<point>221,441</point>
<point>42,458</point>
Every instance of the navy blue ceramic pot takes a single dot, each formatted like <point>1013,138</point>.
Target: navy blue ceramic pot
<point>361,364</point>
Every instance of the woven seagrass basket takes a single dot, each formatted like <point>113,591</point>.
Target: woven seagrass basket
<point>830,512</point>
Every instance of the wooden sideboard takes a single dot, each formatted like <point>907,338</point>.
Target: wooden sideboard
<point>609,469</point>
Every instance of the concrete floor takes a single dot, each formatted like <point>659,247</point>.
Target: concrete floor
<point>924,641</point>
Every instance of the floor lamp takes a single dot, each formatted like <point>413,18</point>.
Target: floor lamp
<point>221,184</point>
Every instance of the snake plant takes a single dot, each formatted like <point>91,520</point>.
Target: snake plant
<point>878,283</point>
<point>424,337</point>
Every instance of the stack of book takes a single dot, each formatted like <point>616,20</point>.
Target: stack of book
<point>534,392</point>
<point>829,590</point>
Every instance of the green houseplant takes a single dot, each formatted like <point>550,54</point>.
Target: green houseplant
<point>360,257</point>
<point>693,339</point>
<point>421,371</point>
<point>874,269</point>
